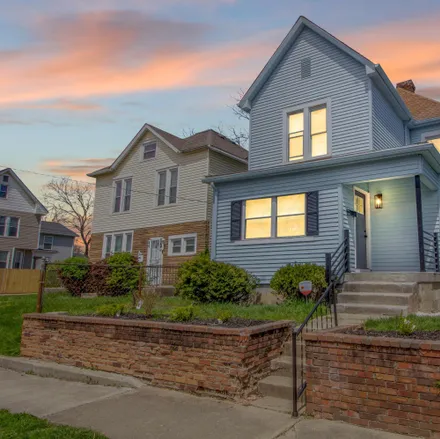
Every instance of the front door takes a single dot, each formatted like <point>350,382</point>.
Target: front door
<point>361,230</point>
<point>154,260</point>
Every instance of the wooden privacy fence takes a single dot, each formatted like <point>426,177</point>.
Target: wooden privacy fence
<point>15,281</point>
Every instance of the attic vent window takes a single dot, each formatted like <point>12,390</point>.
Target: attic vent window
<point>306,68</point>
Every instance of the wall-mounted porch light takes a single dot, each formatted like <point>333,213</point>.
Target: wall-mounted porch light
<point>378,202</point>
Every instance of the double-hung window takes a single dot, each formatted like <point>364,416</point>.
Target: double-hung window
<point>167,182</point>
<point>282,216</point>
<point>3,259</point>
<point>122,195</point>
<point>116,243</point>
<point>47,242</point>
<point>4,186</point>
<point>9,226</point>
<point>182,245</point>
<point>149,151</point>
<point>307,135</point>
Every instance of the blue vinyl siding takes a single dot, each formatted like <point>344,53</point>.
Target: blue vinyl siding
<point>388,128</point>
<point>417,133</point>
<point>335,76</point>
<point>264,258</point>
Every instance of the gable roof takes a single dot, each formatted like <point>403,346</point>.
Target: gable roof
<point>375,71</point>
<point>52,228</point>
<point>420,106</point>
<point>210,139</point>
<point>39,207</point>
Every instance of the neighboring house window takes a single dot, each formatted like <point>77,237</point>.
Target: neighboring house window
<point>116,243</point>
<point>3,259</point>
<point>122,201</point>
<point>182,245</point>
<point>167,182</point>
<point>275,217</point>
<point>47,242</point>
<point>9,226</point>
<point>4,186</point>
<point>18,259</point>
<point>307,133</point>
<point>149,150</point>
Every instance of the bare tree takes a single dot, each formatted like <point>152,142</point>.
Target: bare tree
<point>187,132</point>
<point>71,203</point>
<point>239,112</point>
<point>240,136</point>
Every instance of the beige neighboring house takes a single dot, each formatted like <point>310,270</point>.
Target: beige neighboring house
<point>20,222</point>
<point>151,200</point>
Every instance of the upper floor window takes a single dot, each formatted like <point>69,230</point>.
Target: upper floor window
<point>116,243</point>
<point>167,186</point>
<point>307,133</point>
<point>122,200</point>
<point>9,226</point>
<point>47,242</point>
<point>4,186</point>
<point>149,151</point>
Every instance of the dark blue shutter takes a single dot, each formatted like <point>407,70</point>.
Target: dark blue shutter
<point>312,215</point>
<point>236,213</point>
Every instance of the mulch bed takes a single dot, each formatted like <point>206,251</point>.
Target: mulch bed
<point>235,322</point>
<point>417,335</point>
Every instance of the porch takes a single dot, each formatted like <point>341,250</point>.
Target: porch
<point>393,224</point>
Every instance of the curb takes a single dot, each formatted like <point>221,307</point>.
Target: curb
<point>68,373</point>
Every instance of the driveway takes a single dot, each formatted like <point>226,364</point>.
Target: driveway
<point>150,412</point>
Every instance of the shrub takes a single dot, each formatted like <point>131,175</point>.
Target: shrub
<point>123,277</point>
<point>148,300</point>
<point>111,310</point>
<point>203,280</point>
<point>74,274</point>
<point>224,315</point>
<point>182,314</point>
<point>405,326</point>
<point>286,280</point>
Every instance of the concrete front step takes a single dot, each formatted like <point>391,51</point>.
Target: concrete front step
<point>275,404</point>
<point>352,298</point>
<point>380,276</point>
<point>380,287</point>
<point>276,386</point>
<point>282,366</point>
<point>376,310</point>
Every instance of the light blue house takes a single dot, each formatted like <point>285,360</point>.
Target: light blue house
<point>334,146</point>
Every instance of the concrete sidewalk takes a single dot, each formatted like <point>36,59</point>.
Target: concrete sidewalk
<point>150,412</point>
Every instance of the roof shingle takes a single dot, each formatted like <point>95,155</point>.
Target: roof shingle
<point>420,106</point>
<point>51,228</point>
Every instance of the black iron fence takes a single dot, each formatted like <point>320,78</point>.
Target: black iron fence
<point>324,315</point>
<point>104,279</point>
<point>430,254</point>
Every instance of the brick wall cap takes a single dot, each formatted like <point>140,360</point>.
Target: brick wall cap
<point>163,325</point>
<point>337,335</point>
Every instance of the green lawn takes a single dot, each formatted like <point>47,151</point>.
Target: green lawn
<point>13,307</point>
<point>392,323</point>
<point>24,426</point>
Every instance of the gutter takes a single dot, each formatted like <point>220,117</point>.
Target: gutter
<point>428,151</point>
<point>423,123</point>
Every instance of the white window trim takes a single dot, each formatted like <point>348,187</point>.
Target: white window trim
<point>8,219</point>
<point>51,242</point>
<point>124,234</point>
<point>307,144</point>
<point>144,144</point>
<point>113,203</point>
<point>273,223</point>
<point>167,187</point>
<point>182,238</point>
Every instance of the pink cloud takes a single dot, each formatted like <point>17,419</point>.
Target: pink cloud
<point>114,52</point>
<point>75,168</point>
<point>405,49</point>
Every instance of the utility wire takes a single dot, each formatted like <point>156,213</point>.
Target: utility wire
<point>93,184</point>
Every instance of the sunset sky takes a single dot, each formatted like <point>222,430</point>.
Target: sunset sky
<point>80,77</point>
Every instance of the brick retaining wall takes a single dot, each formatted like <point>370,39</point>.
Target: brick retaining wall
<point>199,359</point>
<point>376,382</point>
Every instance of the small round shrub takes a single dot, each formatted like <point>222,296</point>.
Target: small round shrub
<point>203,280</point>
<point>286,280</point>
<point>111,310</point>
<point>182,314</point>
<point>74,274</point>
<point>123,274</point>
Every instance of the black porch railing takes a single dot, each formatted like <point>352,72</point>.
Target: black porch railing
<point>430,252</point>
<point>324,315</point>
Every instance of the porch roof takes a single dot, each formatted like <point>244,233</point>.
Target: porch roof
<point>426,150</point>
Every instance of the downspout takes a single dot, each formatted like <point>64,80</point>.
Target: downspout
<point>214,222</point>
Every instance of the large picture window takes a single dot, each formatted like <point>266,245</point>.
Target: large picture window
<point>307,135</point>
<point>275,217</point>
